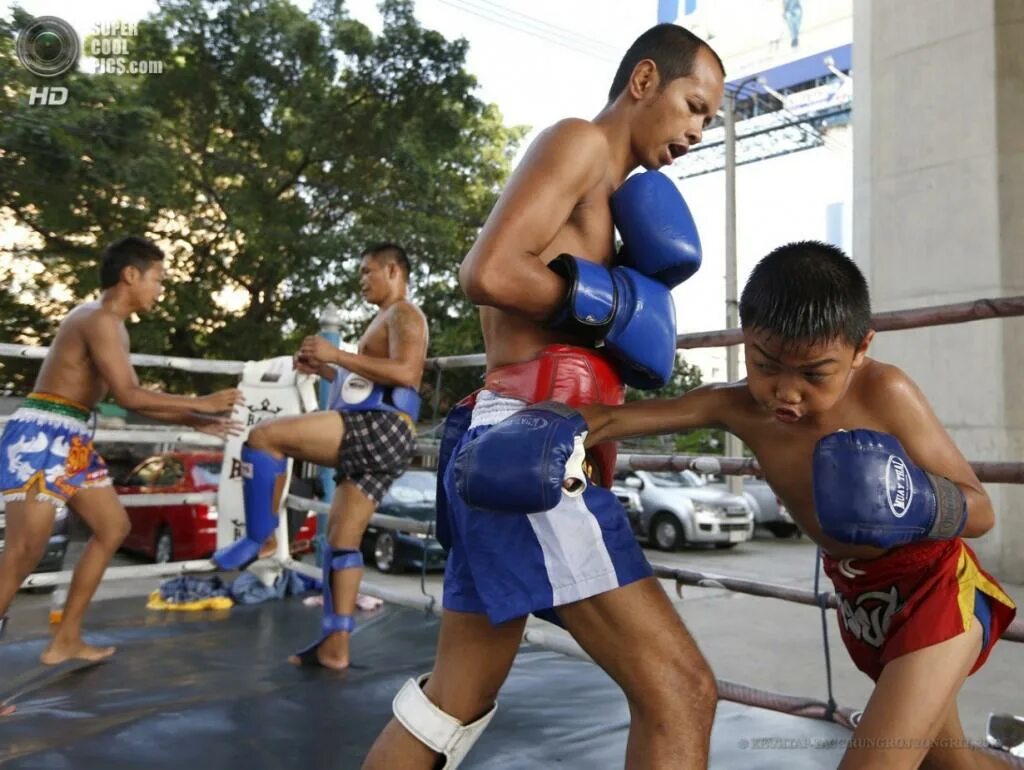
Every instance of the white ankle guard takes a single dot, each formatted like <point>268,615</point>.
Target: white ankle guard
<point>440,731</point>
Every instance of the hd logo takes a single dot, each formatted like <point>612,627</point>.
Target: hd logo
<point>48,96</point>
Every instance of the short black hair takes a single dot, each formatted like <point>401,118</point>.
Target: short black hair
<point>385,251</point>
<point>131,251</point>
<point>807,292</point>
<point>672,49</point>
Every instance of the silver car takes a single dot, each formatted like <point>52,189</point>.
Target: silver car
<point>769,510</point>
<point>678,508</point>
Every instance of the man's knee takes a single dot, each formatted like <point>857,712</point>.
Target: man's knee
<point>347,532</point>
<point>22,556</point>
<point>680,681</point>
<point>422,710</point>
<point>123,528</point>
<point>350,517</point>
<point>261,437</point>
<point>695,676</point>
<point>464,703</point>
<point>112,534</point>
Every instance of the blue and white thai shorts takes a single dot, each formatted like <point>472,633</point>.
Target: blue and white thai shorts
<point>46,452</point>
<point>508,566</point>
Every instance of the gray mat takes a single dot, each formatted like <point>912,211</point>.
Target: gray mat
<point>198,690</point>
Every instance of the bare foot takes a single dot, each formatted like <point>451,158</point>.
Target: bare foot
<point>332,653</point>
<point>60,651</point>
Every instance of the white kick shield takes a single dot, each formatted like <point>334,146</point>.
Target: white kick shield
<point>272,388</point>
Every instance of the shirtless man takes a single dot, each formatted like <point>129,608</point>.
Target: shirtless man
<point>367,433</point>
<point>867,470</point>
<point>47,458</point>
<point>544,271</point>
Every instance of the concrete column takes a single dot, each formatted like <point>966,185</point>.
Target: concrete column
<point>939,216</point>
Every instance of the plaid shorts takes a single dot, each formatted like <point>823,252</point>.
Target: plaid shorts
<point>375,450</point>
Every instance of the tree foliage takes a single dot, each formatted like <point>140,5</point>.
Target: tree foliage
<point>273,148</point>
<point>685,377</point>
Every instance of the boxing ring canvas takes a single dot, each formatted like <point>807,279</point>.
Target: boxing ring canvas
<point>172,697</point>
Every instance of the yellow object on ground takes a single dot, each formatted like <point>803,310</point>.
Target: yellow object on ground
<point>212,603</point>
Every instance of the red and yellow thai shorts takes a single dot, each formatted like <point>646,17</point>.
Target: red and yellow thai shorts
<point>46,451</point>
<point>913,597</point>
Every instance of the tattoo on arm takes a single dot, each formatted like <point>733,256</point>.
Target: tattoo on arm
<point>407,327</point>
<point>406,336</point>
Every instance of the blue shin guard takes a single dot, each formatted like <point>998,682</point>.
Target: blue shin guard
<point>338,559</point>
<point>260,472</point>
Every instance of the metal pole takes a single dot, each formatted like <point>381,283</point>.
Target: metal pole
<point>330,330</point>
<point>733,446</point>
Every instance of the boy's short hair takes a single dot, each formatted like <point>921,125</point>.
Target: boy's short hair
<point>386,251</point>
<point>807,292</point>
<point>672,49</point>
<point>131,251</point>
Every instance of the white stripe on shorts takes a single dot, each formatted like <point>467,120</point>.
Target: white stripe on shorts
<point>575,556</point>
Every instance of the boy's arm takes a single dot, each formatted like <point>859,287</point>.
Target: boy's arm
<point>110,356</point>
<point>699,408</point>
<point>912,421</point>
<point>528,461</point>
<point>407,335</point>
<point>503,268</point>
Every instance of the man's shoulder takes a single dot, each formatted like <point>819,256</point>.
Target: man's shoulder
<point>574,136</point>
<point>92,321</point>
<point>406,307</point>
<point>575,127</point>
<point>405,312</point>
<point>92,313</point>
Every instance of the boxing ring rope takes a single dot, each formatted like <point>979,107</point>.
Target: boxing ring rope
<point>892,320</point>
<point>689,577</point>
<point>549,638</point>
<point>197,365</point>
<point>991,472</point>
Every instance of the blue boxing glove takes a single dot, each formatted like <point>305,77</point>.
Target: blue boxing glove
<point>633,315</point>
<point>868,492</point>
<point>525,463</point>
<point>658,233</point>
<point>643,333</point>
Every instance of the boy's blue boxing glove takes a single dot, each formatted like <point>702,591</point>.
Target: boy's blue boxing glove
<point>659,235</point>
<point>868,492</point>
<point>524,463</point>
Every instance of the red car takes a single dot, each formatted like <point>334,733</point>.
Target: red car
<point>180,532</point>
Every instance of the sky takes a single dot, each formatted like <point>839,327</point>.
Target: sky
<point>544,60</point>
<point>557,63</point>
